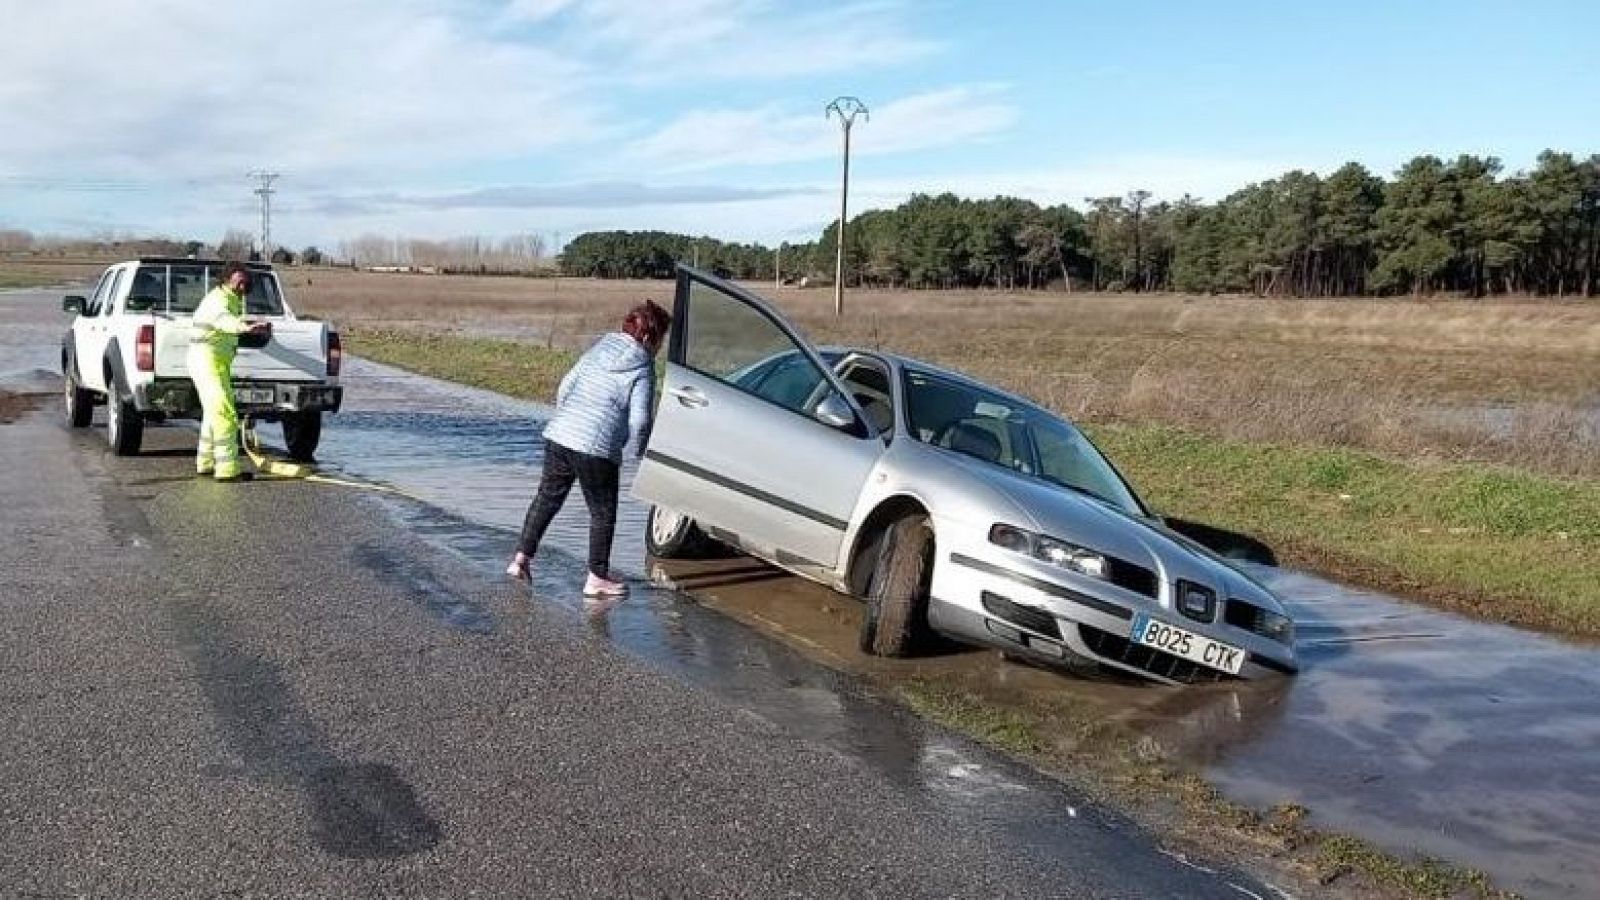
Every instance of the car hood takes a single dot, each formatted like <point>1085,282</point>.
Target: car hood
<point>1099,526</point>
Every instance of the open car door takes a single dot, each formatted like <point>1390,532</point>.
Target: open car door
<point>754,434</point>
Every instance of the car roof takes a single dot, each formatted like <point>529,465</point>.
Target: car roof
<point>835,353</point>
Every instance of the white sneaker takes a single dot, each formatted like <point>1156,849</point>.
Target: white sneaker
<point>595,586</point>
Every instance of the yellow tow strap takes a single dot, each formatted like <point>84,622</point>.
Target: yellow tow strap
<point>273,467</point>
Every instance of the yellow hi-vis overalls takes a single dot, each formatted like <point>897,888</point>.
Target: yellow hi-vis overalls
<point>215,340</point>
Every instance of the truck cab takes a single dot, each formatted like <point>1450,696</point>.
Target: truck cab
<point>127,349</point>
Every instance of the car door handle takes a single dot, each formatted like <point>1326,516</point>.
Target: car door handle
<point>689,396</point>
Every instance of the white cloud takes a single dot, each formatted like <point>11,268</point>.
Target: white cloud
<point>103,87</point>
<point>659,42</point>
<point>711,139</point>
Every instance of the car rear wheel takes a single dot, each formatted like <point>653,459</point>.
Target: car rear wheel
<point>895,622</point>
<point>124,425</point>
<point>78,403</point>
<point>301,434</point>
<point>672,535</point>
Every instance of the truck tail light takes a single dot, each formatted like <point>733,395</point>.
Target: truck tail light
<point>144,349</point>
<point>335,354</point>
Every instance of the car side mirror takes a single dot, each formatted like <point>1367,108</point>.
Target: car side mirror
<point>834,412</point>
<point>73,303</point>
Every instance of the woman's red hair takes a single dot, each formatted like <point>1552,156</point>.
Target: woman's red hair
<point>647,323</point>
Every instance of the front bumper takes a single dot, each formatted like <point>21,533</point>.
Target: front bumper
<point>986,600</point>
<point>175,398</point>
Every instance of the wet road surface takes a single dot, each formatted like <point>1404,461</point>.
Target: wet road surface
<point>283,688</point>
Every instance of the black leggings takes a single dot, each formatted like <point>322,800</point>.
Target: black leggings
<point>598,478</point>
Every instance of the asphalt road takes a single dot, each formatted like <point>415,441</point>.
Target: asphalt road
<point>265,690</point>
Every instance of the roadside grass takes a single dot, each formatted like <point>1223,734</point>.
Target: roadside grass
<point>14,279</point>
<point>45,274</point>
<point>1108,760</point>
<point>1497,543</point>
<point>507,367</point>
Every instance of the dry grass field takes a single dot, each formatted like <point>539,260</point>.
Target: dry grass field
<point>1512,382</point>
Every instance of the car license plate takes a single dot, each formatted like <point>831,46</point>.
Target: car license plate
<point>252,395</point>
<point>1155,633</point>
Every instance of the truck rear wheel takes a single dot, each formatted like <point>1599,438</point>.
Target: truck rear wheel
<point>124,424</point>
<point>301,434</point>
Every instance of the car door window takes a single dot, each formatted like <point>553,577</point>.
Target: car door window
<point>868,383</point>
<point>733,342</point>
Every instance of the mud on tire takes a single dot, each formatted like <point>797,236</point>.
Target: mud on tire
<point>895,622</point>
<point>671,535</point>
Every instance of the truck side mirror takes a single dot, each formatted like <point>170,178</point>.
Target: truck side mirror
<point>73,303</point>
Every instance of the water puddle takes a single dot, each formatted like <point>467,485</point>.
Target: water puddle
<point>1420,730</point>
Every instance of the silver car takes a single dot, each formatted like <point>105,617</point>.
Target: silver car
<point>948,506</point>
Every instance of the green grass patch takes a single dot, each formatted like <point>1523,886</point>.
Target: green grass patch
<point>1425,877</point>
<point>1503,544</point>
<point>506,367</point>
<point>12,279</point>
<point>991,724</point>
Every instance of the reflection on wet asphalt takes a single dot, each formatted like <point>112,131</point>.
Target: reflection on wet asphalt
<point>1419,729</point>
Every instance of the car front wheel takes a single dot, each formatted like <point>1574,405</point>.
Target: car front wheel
<point>895,622</point>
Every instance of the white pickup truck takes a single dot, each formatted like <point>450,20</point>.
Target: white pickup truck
<point>129,343</point>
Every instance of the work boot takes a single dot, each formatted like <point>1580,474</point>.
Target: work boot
<point>595,586</point>
<point>519,567</point>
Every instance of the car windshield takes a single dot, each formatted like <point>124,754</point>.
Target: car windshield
<point>178,288</point>
<point>947,413</point>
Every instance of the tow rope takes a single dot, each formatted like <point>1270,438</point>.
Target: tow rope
<point>274,467</point>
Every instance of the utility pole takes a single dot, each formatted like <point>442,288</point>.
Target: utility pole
<point>265,191</point>
<point>846,108</point>
<point>777,268</point>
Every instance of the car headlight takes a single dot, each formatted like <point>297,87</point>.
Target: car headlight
<point>1058,553</point>
<point>1276,626</point>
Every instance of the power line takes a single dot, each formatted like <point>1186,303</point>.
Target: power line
<point>846,108</point>
<point>265,192</point>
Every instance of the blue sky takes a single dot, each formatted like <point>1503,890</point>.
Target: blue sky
<point>436,118</point>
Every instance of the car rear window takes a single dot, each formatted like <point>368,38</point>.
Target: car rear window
<point>179,288</point>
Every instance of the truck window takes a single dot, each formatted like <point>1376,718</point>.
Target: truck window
<point>97,300</point>
<point>189,283</point>
<point>112,289</point>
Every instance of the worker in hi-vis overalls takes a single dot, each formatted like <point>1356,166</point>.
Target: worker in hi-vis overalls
<point>218,322</point>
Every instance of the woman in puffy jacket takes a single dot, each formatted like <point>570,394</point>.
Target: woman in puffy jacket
<point>603,403</point>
